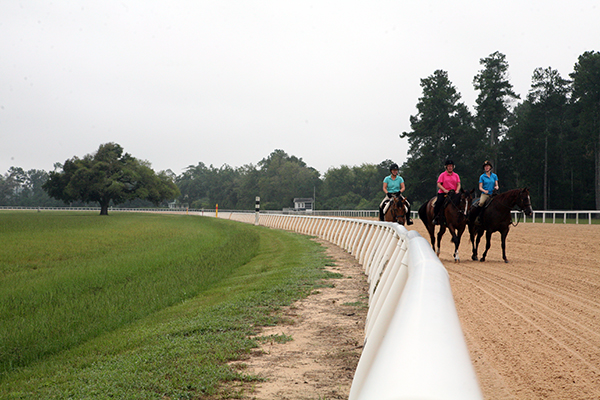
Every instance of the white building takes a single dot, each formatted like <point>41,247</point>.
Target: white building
<point>303,204</point>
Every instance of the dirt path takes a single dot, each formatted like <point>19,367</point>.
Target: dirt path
<point>328,332</point>
<point>532,326</point>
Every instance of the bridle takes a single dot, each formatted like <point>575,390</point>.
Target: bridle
<point>395,206</point>
<point>462,197</point>
<point>524,205</point>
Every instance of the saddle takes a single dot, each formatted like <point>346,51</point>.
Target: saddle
<point>478,209</point>
<point>441,218</point>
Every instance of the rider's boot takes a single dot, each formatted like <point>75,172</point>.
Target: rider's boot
<point>380,214</point>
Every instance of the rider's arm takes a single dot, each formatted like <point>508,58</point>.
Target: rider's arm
<point>385,187</point>
<point>496,186</point>
<point>441,187</point>
<point>402,187</point>
<point>458,187</point>
<point>481,189</point>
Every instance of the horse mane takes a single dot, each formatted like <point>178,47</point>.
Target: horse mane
<point>508,193</point>
<point>509,198</point>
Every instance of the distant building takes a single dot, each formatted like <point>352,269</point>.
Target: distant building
<point>303,204</point>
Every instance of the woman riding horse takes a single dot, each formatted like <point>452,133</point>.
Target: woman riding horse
<point>393,185</point>
<point>455,210</point>
<point>447,181</point>
<point>488,184</point>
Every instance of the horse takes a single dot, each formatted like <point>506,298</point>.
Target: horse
<point>496,217</point>
<point>396,210</point>
<point>456,208</point>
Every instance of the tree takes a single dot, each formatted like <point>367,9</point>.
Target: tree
<point>494,100</point>
<point>442,129</point>
<point>586,98</point>
<point>282,178</point>
<point>354,188</point>
<point>109,175</point>
<point>548,98</point>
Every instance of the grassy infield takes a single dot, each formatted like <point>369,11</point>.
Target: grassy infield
<point>136,306</point>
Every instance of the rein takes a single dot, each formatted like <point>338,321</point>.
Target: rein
<point>457,207</point>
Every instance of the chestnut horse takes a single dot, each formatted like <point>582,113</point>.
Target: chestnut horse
<point>396,210</point>
<point>455,210</point>
<point>496,217</point>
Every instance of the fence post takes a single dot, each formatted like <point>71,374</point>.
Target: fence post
<point>256,210</point>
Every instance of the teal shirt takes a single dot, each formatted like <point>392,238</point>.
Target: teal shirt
<point>393,185</point>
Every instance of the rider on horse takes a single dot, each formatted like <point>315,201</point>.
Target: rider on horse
<point>488,185</point>
<point>447,181</point>
<point>393,184</point>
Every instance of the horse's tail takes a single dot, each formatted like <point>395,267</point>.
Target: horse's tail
<point>423,212</point>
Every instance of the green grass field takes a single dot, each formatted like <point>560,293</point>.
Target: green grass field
<point>139,306</point>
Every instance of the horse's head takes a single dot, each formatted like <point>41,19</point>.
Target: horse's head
<point>466,200</point>
<point>462,200</point>
<point>399,209</point>
<point>524,202</point>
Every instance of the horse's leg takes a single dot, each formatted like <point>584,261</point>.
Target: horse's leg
<point>439,238</point>
<point>472,240</point>
<point>488,243</point>
<point>454,239</point>
<point>476,245</point>
<point>503,236</point>
<point>431,230</point>
<point>459,233</point>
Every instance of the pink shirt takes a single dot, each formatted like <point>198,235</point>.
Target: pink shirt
<point>448,181</point>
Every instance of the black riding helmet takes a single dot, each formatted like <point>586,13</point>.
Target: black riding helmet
<point>393,167</point>
<point>486,162</point>
<point>449,162</point>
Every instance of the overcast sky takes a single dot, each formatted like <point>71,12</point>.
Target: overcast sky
<point>227,82</point>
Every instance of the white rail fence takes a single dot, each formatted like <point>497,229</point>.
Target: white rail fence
<point>555,216</point>
<point>414,345</point>
<point>564,216</point>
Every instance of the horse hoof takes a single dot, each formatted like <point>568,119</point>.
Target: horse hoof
<point>474,258</point>
<point>506,261</point>
<point>482,260</point>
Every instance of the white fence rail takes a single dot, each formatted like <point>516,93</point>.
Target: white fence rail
<point>556,216</point>
<point>414,345</point>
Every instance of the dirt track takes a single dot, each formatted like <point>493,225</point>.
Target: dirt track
<point>532,326</point>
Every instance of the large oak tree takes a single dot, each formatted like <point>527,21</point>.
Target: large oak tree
<point>109,175</point>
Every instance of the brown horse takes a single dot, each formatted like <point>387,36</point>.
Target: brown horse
<point>456,208</point>
<point>496,217</point>
<point>396,210</point>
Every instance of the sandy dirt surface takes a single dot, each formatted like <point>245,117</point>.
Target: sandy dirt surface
<point>532,326</point>
<point>327,329</point>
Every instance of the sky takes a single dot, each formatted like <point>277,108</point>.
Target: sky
<point>228,82</point>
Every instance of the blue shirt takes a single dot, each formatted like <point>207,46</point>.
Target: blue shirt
<point>393,185</point>
<point>489,182</point>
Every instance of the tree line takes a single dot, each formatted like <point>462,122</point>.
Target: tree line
<point>548,141</point>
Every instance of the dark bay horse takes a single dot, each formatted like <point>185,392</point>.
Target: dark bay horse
<point>496,217</point>
<point>396,210</point>
<point>456,209</point>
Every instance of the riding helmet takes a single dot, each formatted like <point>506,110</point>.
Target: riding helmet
<point>393,167</point>
<point>486,162</point>
<point>449,162</point>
